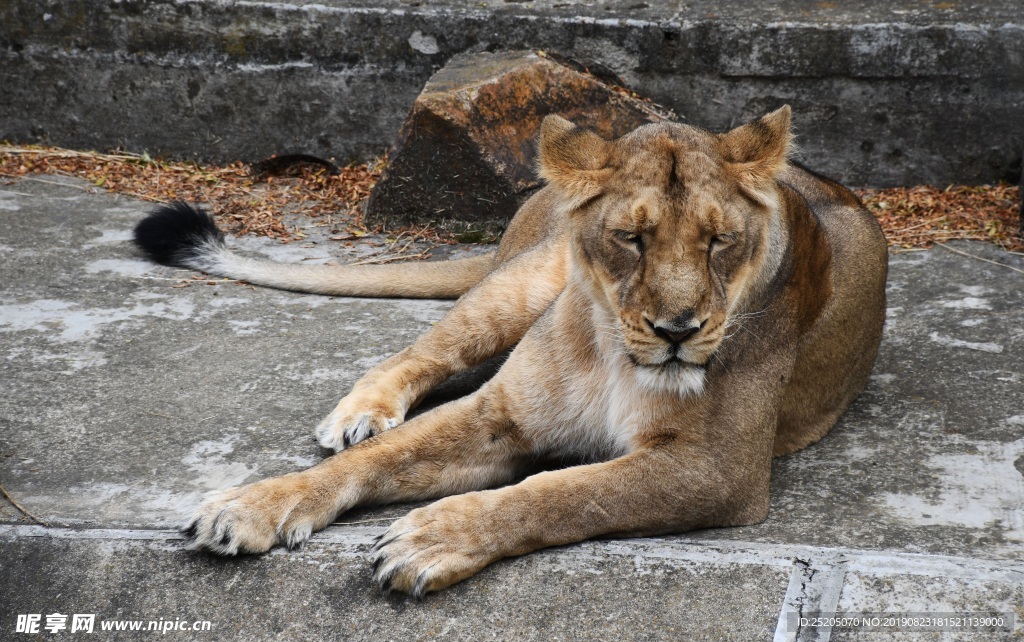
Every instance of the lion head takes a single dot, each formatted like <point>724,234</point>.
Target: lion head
<point>671,227</point>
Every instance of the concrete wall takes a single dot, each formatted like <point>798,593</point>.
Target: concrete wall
<point>882,96</point>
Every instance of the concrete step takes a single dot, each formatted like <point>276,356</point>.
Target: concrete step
<point>652,589</point>
<point>884,93</point>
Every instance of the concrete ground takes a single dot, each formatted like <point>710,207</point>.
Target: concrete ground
<point>126,398</point>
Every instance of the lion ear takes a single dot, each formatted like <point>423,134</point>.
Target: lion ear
<point>573,159</point>
<point>757,151</point>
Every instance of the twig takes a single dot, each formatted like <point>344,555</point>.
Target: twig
<point>388,259</point>
<point>67,153</point>
<point>943,245</point>
<point>922,224</point>
<point>376,258</point>
<point>91,190</point>
<point>23,509</point>
<point>365,521</point>
<point>141,197</point>
<point>386,250</point>
<point>956,235</point>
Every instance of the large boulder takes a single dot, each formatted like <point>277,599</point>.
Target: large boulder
<point>466,152</point>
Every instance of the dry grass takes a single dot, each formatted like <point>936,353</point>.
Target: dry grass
<point>244,203</point>
<point>919,217</point>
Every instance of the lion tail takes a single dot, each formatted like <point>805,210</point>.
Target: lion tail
<point>179,235</point>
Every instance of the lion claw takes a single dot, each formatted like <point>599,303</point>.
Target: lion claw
<point>340,430</point>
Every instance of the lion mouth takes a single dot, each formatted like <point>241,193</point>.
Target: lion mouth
<point>675,361</point>
<point>672,362</point>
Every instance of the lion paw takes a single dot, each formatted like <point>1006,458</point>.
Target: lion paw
<point>426,550</point>
<point>343,428</point>
<point>255,517</point>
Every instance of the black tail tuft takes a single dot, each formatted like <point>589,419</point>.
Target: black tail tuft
<point>173,234</point>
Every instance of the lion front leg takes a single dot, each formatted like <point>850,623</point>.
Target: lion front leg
<point>488,319</point>
<point>280,510</point>
<point>465,445</point>
<point>644,493</point>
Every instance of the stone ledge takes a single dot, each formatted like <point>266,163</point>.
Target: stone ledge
<point>883,93</point>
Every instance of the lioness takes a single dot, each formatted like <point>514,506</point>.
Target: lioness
<point>686,305</point>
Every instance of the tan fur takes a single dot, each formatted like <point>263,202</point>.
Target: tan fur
<point>685,305</point>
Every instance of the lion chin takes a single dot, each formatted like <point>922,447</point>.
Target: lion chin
<point>673,377</point>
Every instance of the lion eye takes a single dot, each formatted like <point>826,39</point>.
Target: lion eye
<point>631,239</point>
<point>721,241</point>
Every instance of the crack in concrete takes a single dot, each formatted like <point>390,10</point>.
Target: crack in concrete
<point>815,585</point>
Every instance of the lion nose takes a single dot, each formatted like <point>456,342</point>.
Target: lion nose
<point>678,329</point>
